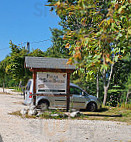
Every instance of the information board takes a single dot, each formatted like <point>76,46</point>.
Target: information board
<point>51,83</point>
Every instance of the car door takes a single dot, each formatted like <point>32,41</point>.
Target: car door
<point>78,101</point>
<point>60,101</point>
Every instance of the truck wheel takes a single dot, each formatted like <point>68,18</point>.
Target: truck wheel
<point>43,106</point>
<point>91,107</point>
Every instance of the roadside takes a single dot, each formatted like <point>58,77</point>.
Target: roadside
<point>15,128</point>
<point>111,114</point>
<point>10,91</point>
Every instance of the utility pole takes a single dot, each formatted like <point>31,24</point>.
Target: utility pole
<point>28,47</point>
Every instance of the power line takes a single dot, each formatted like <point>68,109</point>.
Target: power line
<point>33,42</point>
<point>39,41</point>
<point>22,43</point>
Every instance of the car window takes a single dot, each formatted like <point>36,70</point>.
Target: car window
<point>76,91</point>
<point>28,86</point>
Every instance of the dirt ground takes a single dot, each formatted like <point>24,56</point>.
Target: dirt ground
<point>17,129</point>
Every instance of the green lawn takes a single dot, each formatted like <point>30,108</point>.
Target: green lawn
<point>110,114</point>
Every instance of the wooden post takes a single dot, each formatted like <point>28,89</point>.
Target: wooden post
<point>68,92</point>
<point>34,87</point>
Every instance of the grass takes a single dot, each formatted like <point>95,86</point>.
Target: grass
<point>111,114</point>
<point>45,115</point>
<point>17,113</point>
<point>106,114</point>
<point>125,106</point>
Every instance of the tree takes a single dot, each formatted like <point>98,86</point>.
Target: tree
<point>2,73</point>
<point>102,37</point>
<point>121,73</point>
<point>58,48</point>
<point>71,22</point>
<point>37,53</point>
<point>15,63</point>
<point>128,88</point>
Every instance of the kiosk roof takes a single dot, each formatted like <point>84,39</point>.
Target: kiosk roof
<point>49,63</point>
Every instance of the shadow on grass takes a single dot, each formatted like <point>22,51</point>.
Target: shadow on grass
<point>101,115</point>
<point>100,110</point>
<point>104,115</point>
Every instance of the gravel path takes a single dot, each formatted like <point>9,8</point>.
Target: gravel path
<point>16,129</point>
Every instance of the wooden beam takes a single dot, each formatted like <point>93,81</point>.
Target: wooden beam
<point>68,92</point>
<point>52,70</point>
<point>34,88</point>
<point>51,95</point>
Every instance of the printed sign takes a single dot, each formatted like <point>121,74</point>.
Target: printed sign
<point>51,83</point>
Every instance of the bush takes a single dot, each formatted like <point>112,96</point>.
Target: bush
<point>126,106</point>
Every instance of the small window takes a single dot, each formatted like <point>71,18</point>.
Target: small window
<point>28,86</point>
<point>75,91</point>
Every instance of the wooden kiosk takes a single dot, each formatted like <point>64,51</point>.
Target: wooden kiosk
<point>59,66</point>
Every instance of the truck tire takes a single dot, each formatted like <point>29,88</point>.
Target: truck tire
<point>43,105</point>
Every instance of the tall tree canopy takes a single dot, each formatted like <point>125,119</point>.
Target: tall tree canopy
<point>15,62</point>
<point>98,34</point>
<point>58,48</point>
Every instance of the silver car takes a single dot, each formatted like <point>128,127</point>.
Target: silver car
<point>79,99</point>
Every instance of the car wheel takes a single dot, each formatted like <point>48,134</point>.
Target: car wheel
<point>24,95</point>
<point>43,106</point>
<point>91,107</point>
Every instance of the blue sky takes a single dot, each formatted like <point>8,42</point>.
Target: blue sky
<point>25,20</point>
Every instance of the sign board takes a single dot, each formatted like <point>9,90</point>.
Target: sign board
<point>51,83</point>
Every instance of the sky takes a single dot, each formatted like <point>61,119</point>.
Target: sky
<point>25,21</point>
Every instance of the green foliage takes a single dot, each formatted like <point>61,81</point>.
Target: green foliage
<point>128,83</point>
<point>58,49</point>
<point>121,77</point>
<point>37,53</point>
<point>2,70</point>
<point>15,63</point>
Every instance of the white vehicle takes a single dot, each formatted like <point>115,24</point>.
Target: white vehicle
<point>79,99</point>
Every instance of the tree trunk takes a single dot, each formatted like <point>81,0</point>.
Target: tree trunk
<point>106,83</point>
<point>127,96</point>
<point>97,84</point>
<point>3,86</point>
<point>105,95</point>
<point>20,84</point>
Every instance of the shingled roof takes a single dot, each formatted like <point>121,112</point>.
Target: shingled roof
<point>49,63</point>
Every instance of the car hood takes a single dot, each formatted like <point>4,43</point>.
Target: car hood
<point>92,97</point>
